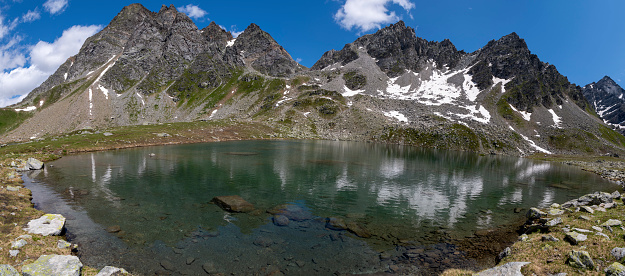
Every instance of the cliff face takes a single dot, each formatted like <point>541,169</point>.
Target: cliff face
<point>158,67</point>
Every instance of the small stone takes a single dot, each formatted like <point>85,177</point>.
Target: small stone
<point>13,253</point>
<point>163,135</point>
<point>107,134</point>
<point>112,271</point>
<point>612,223</point>
<point>586,209</point>
<point>535,213</point>
<point>505,253</point>
<point>616,195</point>
<point>575,238</point>
<point>280,220</point>
<point>615,269</point>
<point>586,218</point>
<point>549,238</point>
<point>167,265</point>
<point>13,188</point>
<point>8,270</point>
<point>580,259</point>
<point>581,230</point>
<point>336,224</point>
<point>114,229</point>
<point>603,235</point>
<point>18,244</point>
<point>555,212</point>
<point>554,222</point>
<point>190,260</point>
<point>209,268</point>
<point>618,253</point>
<point>524,237</point>
<point>63,244</point>
<point>555,206</point>
<point>25,237</point>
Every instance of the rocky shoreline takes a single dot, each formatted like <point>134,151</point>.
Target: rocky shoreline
<point>612,170</point>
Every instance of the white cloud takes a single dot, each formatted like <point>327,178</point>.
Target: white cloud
<point>298,60</point>
<point>7,27</point>
<point>55,6</point>
<point>193,11</point>
<point>31,16</point>
<point>44,58</point>
<point>369,14</point>
<point>233,31</point>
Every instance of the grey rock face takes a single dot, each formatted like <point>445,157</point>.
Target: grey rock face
<point>34,164</point>
<point>575,238</point>
<point>60,265</point>
<point>260,51</point>
<point>607,98</point>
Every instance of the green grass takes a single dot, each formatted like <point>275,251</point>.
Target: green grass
<point>612,136</point>
<point>10,119</point>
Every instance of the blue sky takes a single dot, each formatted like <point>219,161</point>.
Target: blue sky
<point>585,40</point>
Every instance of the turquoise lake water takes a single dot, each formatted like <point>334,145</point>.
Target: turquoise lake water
<point>407,198</point>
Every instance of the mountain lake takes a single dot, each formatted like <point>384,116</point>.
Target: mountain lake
<point>343,207</point>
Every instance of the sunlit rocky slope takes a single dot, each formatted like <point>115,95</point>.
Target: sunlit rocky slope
<point>391,86</point>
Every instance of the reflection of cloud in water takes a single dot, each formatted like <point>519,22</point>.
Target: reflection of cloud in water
<point>532,170</point>
<point>344,183</point>
<point>392,167</point>
<point>547,198</point>
<point>101,184</point>
<point>514,198</point>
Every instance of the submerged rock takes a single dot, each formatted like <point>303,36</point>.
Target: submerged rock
<point>235,204</point>
<point>580,259</point>
<point>60,265</point>
<point>336,224</point>
<point>46,225</point>
<point>280,220</point>
<point>358,230</point>
<point>291,211</point>
<point>509,269</point>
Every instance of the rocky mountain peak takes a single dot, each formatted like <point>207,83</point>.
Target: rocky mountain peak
<point>608,100</point>
<point>260,51</point>
<point>214,32</point>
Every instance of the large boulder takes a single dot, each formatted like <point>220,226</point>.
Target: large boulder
<point>34,164</point>
<point>509,269</point>
<point>535,213</point>
<point>8,270</point>
<point>235,204</point>
<point>59,265</point>
<point>580,259</point>
<point>46,225</point>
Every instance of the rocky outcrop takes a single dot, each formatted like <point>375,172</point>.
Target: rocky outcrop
<point>59,265</point>
<point>580,259</point>
<point>260,51</point>
<point>46,225</point>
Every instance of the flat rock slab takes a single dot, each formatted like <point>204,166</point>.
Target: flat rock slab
<point>46,225</point>
<point>509,269</point>
<point>575,238</point>
<point>60,265</point>
<point>235,204</point>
